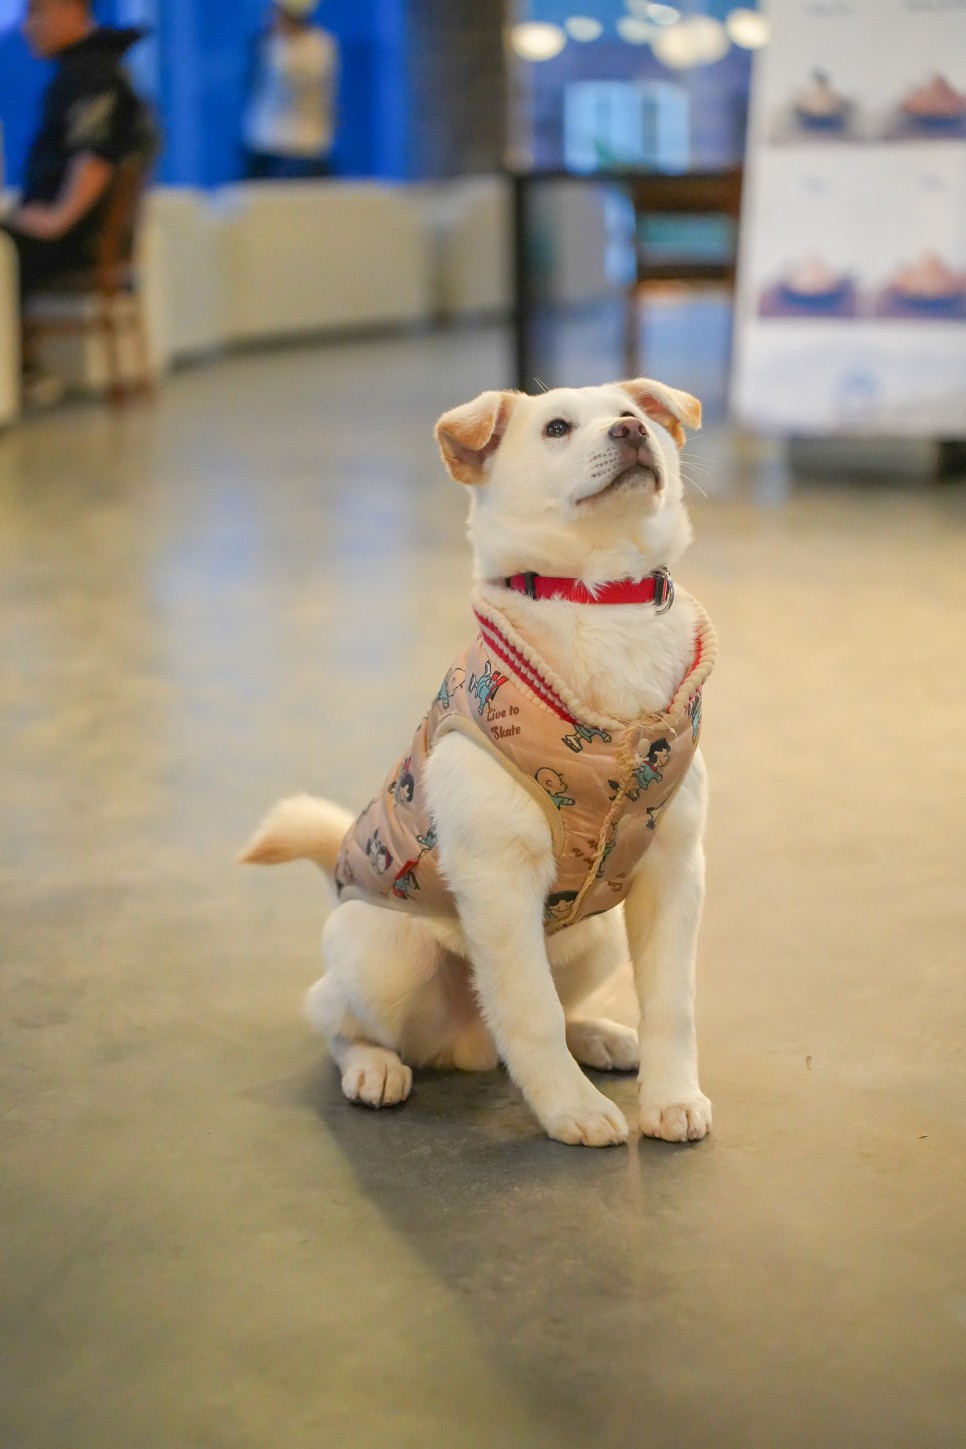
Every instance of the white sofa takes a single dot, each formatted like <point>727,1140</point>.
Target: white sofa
<point>183,273</point>
<point>311,257</point>
<point>9,333</point>
<point>470,225</point>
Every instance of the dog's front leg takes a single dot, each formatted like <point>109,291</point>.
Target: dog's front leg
<point>663,913</point>
<point>495,850</point>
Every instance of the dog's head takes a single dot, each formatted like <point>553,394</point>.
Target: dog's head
<point>582,482</point>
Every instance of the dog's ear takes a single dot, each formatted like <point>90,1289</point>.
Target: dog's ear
<point>666,405</point>
<point>469,435</point>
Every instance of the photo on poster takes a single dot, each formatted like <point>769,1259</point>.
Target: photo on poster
<point>821,112</point>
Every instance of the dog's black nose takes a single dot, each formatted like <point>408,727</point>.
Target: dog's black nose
<point>630,428</point>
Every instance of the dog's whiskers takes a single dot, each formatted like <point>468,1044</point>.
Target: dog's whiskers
<point>685,480</point>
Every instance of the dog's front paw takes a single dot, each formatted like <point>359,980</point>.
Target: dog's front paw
<point>685,1120</point>
<point>591,1121</point>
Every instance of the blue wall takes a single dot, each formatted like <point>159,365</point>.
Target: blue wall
<point>22,82</point>
<point>198,67</point>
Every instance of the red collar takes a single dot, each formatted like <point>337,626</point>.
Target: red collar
<point>656,588</point>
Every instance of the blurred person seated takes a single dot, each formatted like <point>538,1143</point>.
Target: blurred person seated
<point>290,117</point>
<point>91,121</point>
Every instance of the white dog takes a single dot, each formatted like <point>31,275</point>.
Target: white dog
<point>555,776</point>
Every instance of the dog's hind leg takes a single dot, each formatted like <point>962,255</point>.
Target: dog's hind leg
<point>374,963</point>
<point>387,1003</point>
<point>605,1045</point>
<point>372,1075</point>
<point>582,959</point>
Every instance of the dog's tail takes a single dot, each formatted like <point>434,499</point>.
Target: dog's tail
<point>300,828</point>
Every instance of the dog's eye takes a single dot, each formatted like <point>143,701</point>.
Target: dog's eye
<point>558,428</point>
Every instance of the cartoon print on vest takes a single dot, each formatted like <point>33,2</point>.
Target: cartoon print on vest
<point>584,734</point>
<point>557,905</point>
<point>405,882</point>
<point>555,785</point>
<point>654,814</point>
<point>404,786</point>
<point>379,857</point>
<point>451,686</point>
<point>484,686</point>
<point>345,876</point>
<point>694,715</point>
<point>609,844</point>
<point>647,770</point>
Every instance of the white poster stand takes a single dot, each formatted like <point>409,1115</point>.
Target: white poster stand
<point>851,305</point>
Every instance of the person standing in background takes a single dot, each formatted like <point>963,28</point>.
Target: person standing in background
<point>290,115</point>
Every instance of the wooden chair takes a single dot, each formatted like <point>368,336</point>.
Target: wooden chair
<point>691,194</point>
<point>104,299</point>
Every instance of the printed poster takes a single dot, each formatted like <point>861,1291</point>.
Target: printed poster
<point>851,303</point>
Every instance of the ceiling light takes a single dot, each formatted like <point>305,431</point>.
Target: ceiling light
<point>662,14</point>
<point>698,40</point>
<point>747,28</point>
<point>656,14</point>
<point>635,32</point>
<point>583,28</point>
<point>537,40</point>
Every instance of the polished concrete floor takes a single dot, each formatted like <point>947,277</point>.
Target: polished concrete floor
<point>248,589</point>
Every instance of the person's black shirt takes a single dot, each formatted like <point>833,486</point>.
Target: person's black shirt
<point>89,106</point>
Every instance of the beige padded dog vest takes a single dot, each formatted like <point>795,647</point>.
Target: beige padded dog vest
<point>602,783</point>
